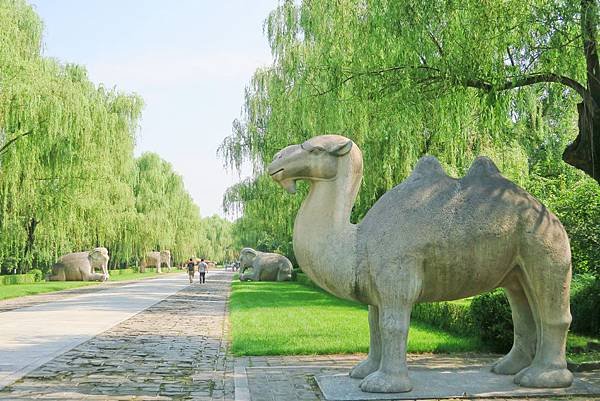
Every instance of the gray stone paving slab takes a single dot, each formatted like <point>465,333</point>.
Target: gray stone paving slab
<point>32,336</point>
<point>292,378</point>
<point>447,384</point>
<point>174,350</point>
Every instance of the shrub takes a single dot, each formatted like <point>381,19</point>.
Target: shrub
<point>37,274</point>
<point>9,265</point>
<point>585,305</point>
<point>454,317</point>
<point>303,279</point>
<point>17,279</point>
<point>492,319</point>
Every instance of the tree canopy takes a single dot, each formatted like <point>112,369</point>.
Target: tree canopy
<point>69,180</point>
<point>408,78</point>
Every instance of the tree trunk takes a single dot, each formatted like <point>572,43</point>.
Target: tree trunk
<point>30,244</point>
<point>584,152</point>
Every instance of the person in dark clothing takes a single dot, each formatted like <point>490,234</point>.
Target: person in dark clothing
<point>190,267</point>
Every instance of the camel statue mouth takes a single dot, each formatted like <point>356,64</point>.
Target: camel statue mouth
<point>278,171</point>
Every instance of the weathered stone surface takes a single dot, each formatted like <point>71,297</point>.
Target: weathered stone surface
<point>79,266</point>
<point>432,238</point>
<point>448,383</point>
<point>155,355</point>
<point>265,377</point>
<point>265,266</point>
<point>156,259</point>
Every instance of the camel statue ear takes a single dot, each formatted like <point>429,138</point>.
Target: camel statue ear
<point>341,149</point>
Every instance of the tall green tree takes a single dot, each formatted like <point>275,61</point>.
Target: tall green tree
<point>69,180</point>
<point>408,78</point>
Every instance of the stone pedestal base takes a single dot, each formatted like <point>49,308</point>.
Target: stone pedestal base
<point>447,383</point>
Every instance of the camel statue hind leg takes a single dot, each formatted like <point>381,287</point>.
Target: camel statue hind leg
<point>431,238</point>
<point>538,293</point>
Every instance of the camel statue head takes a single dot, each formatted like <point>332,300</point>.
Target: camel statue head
<point>99,258</point>
<point>316,159</point>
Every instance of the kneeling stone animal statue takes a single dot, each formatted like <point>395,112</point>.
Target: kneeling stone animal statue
<point>265,266</point>
<point>79,266</point>
<point>432,238</point>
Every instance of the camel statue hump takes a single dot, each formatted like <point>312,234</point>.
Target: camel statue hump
<point>428,166</point>
<point>483,166</point>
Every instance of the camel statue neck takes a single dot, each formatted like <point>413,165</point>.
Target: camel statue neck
<point>324,238</point>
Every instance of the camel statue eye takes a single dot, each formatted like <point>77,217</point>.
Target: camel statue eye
<point>317,150</point>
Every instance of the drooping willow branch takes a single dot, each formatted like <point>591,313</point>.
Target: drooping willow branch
<point>4,148</point>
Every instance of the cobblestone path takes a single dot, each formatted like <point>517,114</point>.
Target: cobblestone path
<point>175,350</point>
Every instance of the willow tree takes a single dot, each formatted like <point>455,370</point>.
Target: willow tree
<point>219,243</point>
<point>167,216</point>
<point>66,149</point>
<point>408,78</point>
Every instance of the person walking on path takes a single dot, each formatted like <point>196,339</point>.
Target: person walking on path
<point>202,266</point>
<point>190,267</point>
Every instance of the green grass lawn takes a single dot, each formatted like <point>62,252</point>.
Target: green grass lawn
<point>20,290</point>
<point>290,318</point>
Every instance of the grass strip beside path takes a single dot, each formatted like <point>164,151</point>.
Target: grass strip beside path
<point>21,290</point>
<point>289,318</point>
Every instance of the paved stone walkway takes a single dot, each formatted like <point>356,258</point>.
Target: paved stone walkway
<point>175,350</point>
<point>291,378</point>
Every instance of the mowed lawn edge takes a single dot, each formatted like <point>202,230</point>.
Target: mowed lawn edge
<point>12,291</point>
<point>290,318</point>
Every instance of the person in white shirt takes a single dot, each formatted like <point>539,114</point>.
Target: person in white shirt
<point>202,267</point>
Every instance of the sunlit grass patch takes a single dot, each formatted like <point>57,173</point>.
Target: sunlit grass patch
<point>290,318</point>
<point>20,290</point>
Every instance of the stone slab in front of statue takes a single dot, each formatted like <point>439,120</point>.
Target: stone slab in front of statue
<point>477,382</point>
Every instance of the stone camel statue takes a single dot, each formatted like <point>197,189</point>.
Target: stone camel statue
<point>156,259</point>
<point>432,238</point>
<point>79,266</point>
<point>265,266</point>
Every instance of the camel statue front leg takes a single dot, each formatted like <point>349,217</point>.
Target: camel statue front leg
<point>392,375</point>
<point>371,364</point>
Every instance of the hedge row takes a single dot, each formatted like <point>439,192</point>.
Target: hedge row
<point>36,275</point>
<point>489,316</point>
<point>449,316</point>
<point>17,279</point>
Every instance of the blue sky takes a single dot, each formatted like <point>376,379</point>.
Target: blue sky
<point>189,60</point>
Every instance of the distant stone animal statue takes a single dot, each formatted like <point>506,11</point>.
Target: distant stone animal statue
<point>265,266</point>
<point>156,259</point>
<point>79,266</point>
<point>432,238</point>
<point>165,259</point>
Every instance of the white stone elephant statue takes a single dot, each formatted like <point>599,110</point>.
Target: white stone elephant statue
<point>265,266</point>
<point>156,259</point>
<point>79,266</point>
<point>432,238</point>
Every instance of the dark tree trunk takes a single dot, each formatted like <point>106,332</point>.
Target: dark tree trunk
<point>584,152</point>
<point>30,244</point>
